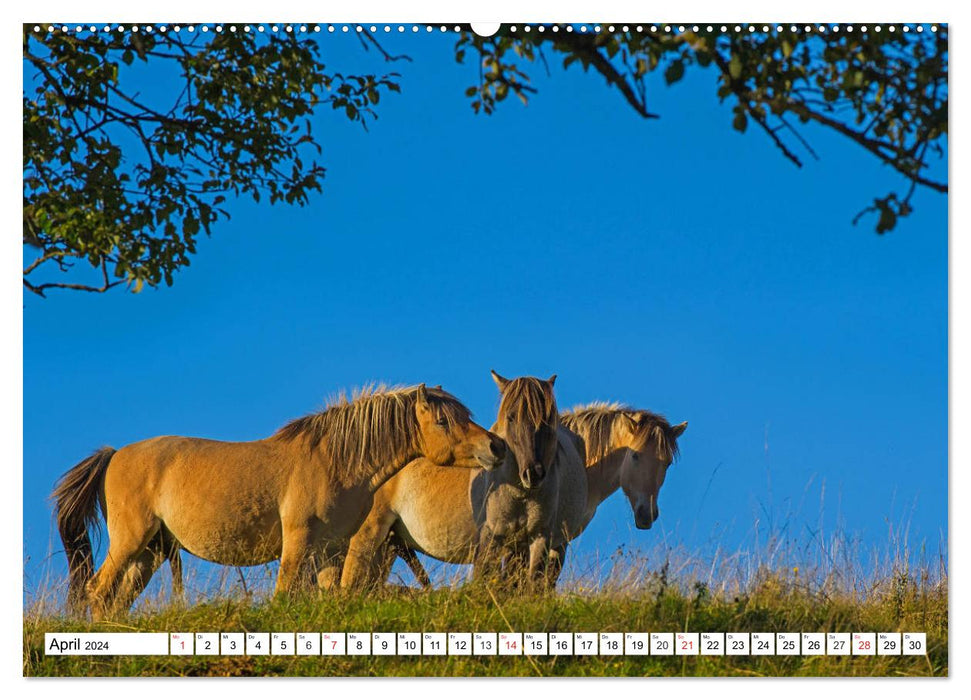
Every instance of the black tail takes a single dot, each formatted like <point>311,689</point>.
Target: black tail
<point>78,498</point>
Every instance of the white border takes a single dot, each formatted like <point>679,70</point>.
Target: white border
<point>389,11</point>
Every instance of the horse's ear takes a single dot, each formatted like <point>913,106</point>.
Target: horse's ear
<point>422,396</point>
<point>678,429</point>
<point>551,380</point>
<point>500,381</point>
<point>631,423</point>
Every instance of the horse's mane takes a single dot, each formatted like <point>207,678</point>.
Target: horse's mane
<point>373,428</point>
<point>595,422</point>
<point>528,400</point>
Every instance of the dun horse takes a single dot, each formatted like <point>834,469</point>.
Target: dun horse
<point>626,448</point>
<point>297,495</point>
<point>474,516</point>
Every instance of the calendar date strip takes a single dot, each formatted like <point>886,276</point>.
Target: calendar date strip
<point>486,644</point>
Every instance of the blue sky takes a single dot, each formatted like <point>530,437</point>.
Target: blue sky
<point>672,264</point>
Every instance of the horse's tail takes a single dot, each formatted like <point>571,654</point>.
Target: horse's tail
<point>78,496</point>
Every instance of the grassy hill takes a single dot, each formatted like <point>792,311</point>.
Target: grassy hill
<point>773,602</point>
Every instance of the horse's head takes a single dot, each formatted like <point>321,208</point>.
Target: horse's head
<point>447,434</point>
<point>651,444</point>
<point>528,421</point>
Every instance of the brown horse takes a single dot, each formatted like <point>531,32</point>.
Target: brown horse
<point>296,496</point>
<point>493,519</point>
<point>625,448</point>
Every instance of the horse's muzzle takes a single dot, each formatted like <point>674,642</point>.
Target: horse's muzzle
<point>532,478</point>
<point>644,517</point>
<point>496,454</point>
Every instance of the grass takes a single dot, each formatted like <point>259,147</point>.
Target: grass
<point>630,598</point>
<point>822,581</point>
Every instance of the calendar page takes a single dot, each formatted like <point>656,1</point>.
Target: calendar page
<point>532,349</point>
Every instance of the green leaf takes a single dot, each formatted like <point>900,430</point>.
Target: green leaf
<point>190,226</point>
<point>735,67</point>
<point>674,72</point>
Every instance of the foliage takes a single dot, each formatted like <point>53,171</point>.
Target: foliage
<point>124,174</point>
<point>886,90</point>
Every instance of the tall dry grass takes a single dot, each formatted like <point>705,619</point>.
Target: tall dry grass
<point>820,581</point>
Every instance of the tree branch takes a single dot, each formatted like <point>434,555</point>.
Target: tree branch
<point>581,44</point>
<point>874,146</point>
<point>387,57</point>
<point>52,255</point>
<point>39,289</point>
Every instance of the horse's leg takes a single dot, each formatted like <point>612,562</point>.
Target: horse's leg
<point>411,559</point>
<point>487,561</point>
<point>296,548</point>
<point>172,550</point>
<point>366,551</point>
<point>163,546</point>
<point>539,555</point>
<point>370,573</point>
<point>175,564</point>
<point>515,569</point>
<point>555,567</point>
<point>128,539</point>
<point>306,581</point>
<point>333,557</point>
<point>140,573</point>
<point>382,563</point>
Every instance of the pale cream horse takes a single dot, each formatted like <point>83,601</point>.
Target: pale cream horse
<point>296,496</point>
<point>624,448</point>
<point>473,516</point>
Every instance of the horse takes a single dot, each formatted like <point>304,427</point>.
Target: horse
<point>296,496</point>
<point>626,448</point>
<point>623,447</point>
<point>474,516</point>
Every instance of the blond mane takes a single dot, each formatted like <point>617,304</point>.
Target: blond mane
<point>528,400</point>
<point>376,427</point>
<point>595,422</point>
